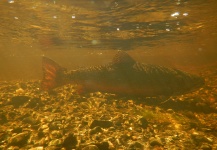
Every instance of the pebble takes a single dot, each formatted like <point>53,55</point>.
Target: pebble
<point>101,123</point>
<point>143,122</point>
<point>136,146</point>
<point>103,145</point>
<point>205,146</point>
<point>30,120</point>
<point>34,102</point>
<point>55,142</point>
<point>53,148</point>
<point>199,138</point>
<point>155,141</point>
<point>67,122</point>
<point>19,139</point>
<point>37,148</point>
<point>95,130</point>
<point>17,101</point>
<point>170,111</point>
<point>90,147</point>
<point>70,141</point>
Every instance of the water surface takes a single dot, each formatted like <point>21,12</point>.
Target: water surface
<point>174,33</point>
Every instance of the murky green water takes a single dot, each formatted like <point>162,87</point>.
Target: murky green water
<point>177,33</point>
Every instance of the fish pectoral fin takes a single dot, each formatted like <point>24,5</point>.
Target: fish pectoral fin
<point>80,89</point>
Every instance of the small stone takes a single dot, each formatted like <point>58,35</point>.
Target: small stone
<point>70,141</point>
<point>136,145</point>
<point>95,130</point>
<point>37,148</point>
<point>17,130</point>
<point>55,142</point>
<point>53,148</point>
<point>101,123</point>
<point>170,111</point>
<point>143,122</point>
<point>3,117</point>
<point>90,147</point>
<point>155,141</point>
<point>55,134</point>
<point>103,146</point>
<point>124,138</point>
<point>17,101</point>
<point>13,148</point>
<point>84,105</point>
<point>205,147</point>
<point>19,139</point>
<point>199,137</point>
<point>30,120</point>
<point>19,91</point>
<point>32,103</point>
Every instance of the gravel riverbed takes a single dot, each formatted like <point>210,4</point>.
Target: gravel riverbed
<point>63,120</point>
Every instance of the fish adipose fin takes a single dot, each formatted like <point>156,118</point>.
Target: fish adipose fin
<point>52,74</point>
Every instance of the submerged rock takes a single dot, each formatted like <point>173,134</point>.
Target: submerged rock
<point>136,146</point>
<point>101,123</point>
<point>19,139</point>
<point>95,130</point>
<point>70,141</point>
<point>17,101</point>
<point>143,122</point>
<point>155,141</point>
<point>90,147</point>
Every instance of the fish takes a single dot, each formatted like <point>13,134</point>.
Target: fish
<point>123,75</point>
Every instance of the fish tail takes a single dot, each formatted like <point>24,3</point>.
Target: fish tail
<point>53,74</point>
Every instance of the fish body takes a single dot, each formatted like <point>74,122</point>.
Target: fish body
<point>123,75</point>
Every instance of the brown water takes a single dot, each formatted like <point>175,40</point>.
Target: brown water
<point>175,33</point>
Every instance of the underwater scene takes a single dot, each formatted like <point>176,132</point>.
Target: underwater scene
<point>108,75</point>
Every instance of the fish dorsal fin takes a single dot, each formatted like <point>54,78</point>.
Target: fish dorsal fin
<point>122,59</point>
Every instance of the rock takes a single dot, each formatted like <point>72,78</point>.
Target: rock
<point>136,146</point>
<point>32,103</point>
<point>55,134</point>
<point>170,111</point>
<point>40,134</point>
<point>55,142</point>
<point>205,147</point>
<point>101,123</point>
<point>19,139</point>
<point>37,148</point>
<point>3,117</point>
<point>17,101</point>
<point>95,130</point>
<point>103,146</point>
<point>124,138</point>
<point>19,91</point>
<point>17,130</point>
<point>143,122</point>
<point>90,147</point>
<point>70,141</point>
<point>53,148</point>
<point>13,148</point>
<point>30,120</point>
<point>155,141</point>
<point>200,138</point>
<point>84,105</point>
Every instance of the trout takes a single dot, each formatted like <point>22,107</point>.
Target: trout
<point>124,76</point>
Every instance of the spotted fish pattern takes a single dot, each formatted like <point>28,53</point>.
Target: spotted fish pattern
<point>124,76</point>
